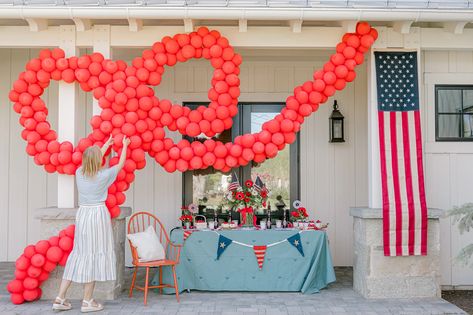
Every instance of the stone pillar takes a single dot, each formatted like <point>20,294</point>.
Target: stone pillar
<point>378,276</point>
<point>55,219</point>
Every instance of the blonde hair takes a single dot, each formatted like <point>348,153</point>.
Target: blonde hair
<point>91,161</point>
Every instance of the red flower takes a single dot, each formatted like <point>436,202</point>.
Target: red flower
<point>247,200</point>
<point>240,196</point>
<point>263,194</point>
<point>249,183</point>
<point>295,214</point>
<point>303,211</point>
<point>264,203</point>
<point>248,194</point>
<point>185,218</point>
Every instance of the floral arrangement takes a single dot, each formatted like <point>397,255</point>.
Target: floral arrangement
<point>186,218</point>
<point>247,196</point>
<point>187,213</point>
<point>300,213</point>
<point>246,199</point>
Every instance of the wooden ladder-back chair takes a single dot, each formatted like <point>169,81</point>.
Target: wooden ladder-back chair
<point>138,223</point>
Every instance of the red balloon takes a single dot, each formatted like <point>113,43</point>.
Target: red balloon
<point>17,298</point>
<point>54,241</point>
<point>20,274</point>
<point>287,125</point>
<point>33,271</point>
<point>15,286</point>
<point>29,251</point>
<point>66,243</point>
<point>49,266</point>
<point>353,41</point>
<point>54,254</point>
<point>70,230</point>
<point>30,283</point>
<point>31,295</point>
<point>38,260</point>
<point>330,78</point>
<point>271,150</point>
<point>349,52</point>
<point>43,276</point>
<point>341,71</point>
<point>363,28</point>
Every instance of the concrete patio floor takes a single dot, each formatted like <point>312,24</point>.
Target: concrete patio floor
<point>339,298</point>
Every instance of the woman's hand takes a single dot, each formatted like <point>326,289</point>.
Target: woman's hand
<point>121,161</point>
<point>125,142</point>
<point>106,145</point>
<point>109,141</point>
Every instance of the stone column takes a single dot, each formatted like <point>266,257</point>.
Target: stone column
<point>55,219</point>
<point>378,276</point>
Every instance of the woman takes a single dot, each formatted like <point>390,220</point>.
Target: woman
<point>92,258</point>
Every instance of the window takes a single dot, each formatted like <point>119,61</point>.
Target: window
<point>280,174</point>
<point>454,112</point>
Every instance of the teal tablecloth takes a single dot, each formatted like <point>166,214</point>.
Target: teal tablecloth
<point>284,268</point>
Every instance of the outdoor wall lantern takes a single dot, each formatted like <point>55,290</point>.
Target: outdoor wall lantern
<point>336,125</point>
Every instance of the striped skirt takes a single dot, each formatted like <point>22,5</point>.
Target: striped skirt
<point>93,257</point>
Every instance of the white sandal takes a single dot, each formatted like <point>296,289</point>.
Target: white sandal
<point>61,306</point>
<point>90,308</point>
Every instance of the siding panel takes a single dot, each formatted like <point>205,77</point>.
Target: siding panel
<point>5,56</point>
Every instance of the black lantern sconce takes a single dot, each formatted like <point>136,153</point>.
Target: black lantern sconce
<point>336,126</point>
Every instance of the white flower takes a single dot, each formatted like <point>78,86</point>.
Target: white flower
<point>193,208</point>
<point>297,204</point>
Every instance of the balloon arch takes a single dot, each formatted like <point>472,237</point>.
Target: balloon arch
<point>130,107</point>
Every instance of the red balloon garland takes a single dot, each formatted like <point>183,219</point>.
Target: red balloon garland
<point>34,266</point>
<point>129,107</point>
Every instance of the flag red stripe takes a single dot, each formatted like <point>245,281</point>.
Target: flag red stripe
<point>420,171</point>
<point>397,190</point>
<point>384,184</point>
<point>408,174</point>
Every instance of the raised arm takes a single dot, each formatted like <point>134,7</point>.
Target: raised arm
<point>106,145</point>
<point>121,161</point>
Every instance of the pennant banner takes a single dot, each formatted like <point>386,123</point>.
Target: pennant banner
<point>295,241</point>
<point>223,243</point>
<point>260,251</point>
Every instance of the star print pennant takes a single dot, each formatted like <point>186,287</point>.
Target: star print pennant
<point>295,241</point>
<point>223,243</point>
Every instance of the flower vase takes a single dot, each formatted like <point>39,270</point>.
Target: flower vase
<point>247,217</point>
<point>187,225</point>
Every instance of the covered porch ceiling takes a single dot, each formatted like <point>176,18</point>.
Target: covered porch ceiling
<point>400,14</point>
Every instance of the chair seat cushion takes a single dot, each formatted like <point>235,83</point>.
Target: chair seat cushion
<point>147,245</point>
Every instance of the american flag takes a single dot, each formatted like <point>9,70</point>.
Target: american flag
<point>258,184</point>
<point>400,144</point>
<point>234,184</point>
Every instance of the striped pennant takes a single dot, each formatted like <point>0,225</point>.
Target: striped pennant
<point>260,251</point>
<point>187,233</point>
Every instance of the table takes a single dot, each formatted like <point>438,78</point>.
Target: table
<point>284,268</point>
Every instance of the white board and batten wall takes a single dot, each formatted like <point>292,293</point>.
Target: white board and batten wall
<point>448,165</point>
<point>333,177</point>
